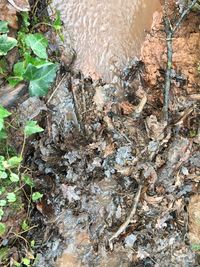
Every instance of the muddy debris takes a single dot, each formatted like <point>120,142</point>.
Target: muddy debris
<point>98,160</point>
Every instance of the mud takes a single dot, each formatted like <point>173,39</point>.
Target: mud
<point>105,34</point>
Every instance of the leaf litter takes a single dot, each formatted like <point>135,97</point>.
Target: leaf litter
<point>115,200</point>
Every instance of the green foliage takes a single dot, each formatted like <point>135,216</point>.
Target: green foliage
<point>13,162</point>
<point>3,253</point>
<point>57,23</point>
<point>3,114</point>
<point>25,226</point>
<point>36,196</point>
<point>12,182</point>
<point>18,71</point>
<point>33,65</point>
<point>25,21</point>
<point>40,78</point>
<point>2,229</point>
<point>32,127</point>
<point>4,27</point>
<point>26,261</point>
<point>11,197</point>
<point>6,44</point>
<point>195,247</point>
<point>3,67</point>
<point>38,43</point>
<point>28,181</point>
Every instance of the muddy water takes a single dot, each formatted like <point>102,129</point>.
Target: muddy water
<point>106,34</point>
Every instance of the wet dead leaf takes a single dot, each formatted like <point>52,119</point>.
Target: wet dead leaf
<point>99,98</point>
<point>20,5</point>
<point>109,150</point>
<point>9,13</point>
<point>141,106</point>
<point>68,259</point>
<point>155,129</point>
<point>69,193</point>
<point>126,108</point>
<point>152,200</point>
<point>83,238</point>
<point>194,220</point>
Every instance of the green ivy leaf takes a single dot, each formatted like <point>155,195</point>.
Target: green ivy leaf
<point>17,264</point>
<point>40,78</point>
<point>11,197</point>
<point>4,252</point>
<point>195,247</point>
<point>35,61</point>
<point>2,159</point>
<point>32,127</point>
<point>6,44</point>
<point>14,177</point>
<point>3,67</point>
<point>36,196</point>
<point>26,19</point>
<point>12,162</point>
<point>18,71</point>
<point>38,43</point>
<point>3,203</point>
<point>4,26</point>
<point>2,190</point>
<point>3,175</point>
<point>25,226</point>
<point>33,243</point>
<point>4,113</point>
<point>28,181</point>
<point>26,261</point>
<point>1,213</point>
<point>57,24</point>
<point>2,229</point>
<point>3,134</point>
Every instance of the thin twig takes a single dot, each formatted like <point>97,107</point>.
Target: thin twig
<point>56,89</point>
<point>170,31</point>
<point>168,70</point>
<point>123,227</point>
<point>183,15</point>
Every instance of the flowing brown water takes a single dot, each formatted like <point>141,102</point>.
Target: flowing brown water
<point>106,33</point>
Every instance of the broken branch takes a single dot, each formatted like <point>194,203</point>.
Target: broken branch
<point>123,227</point>
<point>170,31</point>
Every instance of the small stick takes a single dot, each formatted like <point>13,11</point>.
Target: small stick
<point>56,89</point>
<point>184,14</point>
<point>123,227</point>
<point>170,31</point>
